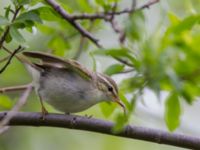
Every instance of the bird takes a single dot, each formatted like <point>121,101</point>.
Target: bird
<point>67,85</point>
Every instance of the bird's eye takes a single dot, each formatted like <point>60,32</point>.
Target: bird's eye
<point>110,89</point>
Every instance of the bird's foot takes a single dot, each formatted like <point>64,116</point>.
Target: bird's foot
<point>44,113</point>
<point>88,116</point>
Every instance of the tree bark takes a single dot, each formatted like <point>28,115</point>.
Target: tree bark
<point>104,127</point>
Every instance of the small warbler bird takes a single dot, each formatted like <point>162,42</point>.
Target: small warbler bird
<point>67,85</point>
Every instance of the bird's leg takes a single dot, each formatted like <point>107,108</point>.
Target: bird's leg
<point>43,109</point>
<point>88,116</point>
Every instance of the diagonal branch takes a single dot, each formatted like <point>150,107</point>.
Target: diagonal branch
<point>13,111</point>
<point>104,127</point>
<point>10,59</point>
<point>76,25</point>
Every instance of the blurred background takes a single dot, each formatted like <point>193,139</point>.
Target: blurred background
<point>142,29</point>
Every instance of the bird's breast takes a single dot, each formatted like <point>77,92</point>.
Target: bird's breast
<point>67,91</point>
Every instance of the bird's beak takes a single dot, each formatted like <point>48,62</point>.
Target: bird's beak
<point>118,101</point>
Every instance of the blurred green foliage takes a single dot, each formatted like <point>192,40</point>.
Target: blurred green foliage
<point>5,102</point>
<point>165,59</point>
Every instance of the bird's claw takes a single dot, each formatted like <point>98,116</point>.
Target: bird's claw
<point>88,116</point>
<point>44,113</point>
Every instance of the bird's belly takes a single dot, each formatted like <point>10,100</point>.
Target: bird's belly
<point>67,95</point>
<point>69,105</point>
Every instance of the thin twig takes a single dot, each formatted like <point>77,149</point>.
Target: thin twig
<point>76,25</point>
<point>3,38</point>
<point>149,3</point>
<point>116,27</point>
<point>106,15</point>
<point>9,51</point>
<point>5,58</point>
<point>15,88</point>
<point>13,111</point>
<point>82,43</point>
<point>9,60</point>
<point>104,127</point>
<point>80,48</point>
<point>124,62</point>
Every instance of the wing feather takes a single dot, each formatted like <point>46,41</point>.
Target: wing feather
<point>57,62</point>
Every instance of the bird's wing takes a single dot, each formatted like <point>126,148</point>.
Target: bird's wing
<point>53,61</point>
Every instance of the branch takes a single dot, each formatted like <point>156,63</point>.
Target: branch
<point>13,111</point>
<point>15,88</point>
<point>106,15</point>
<point>3,38</point>
<point>9,60</point>
<point>124,62</point>
<point>76,25</point>
<point>105,127</point>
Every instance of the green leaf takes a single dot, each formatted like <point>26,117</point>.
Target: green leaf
<point>16,35</point>
<point>190,92</point>
<point>173,18</point>
<point>118,53</point>
<point>122,119</point>
<point>24,2</point>
<point>187,23</point>
<point>66,7</point>
<point>8,10</point>
<point>179,26</point>
<point>21,2</point>
<point>4,21</point>
<point>120,122</point>
<point>172,111</point>
<point>5,102</point>
<point>107,108</point>
<point>113,1</point>
<point>8,38</point>
<point>174,79</point>
<point>128,85</point>
<point>35,2</point>
<point>135,26</point>
<point>29,16</point>
<point>59,45</point>
<point>46,29</point>
<point>47,13</point>
<point>100,2</point>
<point>1,30</point>
<point>87,7</point>
<point>114,69</point>
<point>129,105</point>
